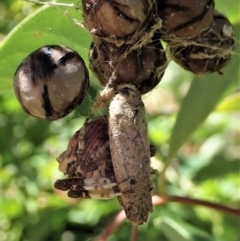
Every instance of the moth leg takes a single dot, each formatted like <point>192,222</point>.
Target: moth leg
<point>152,150</point>
<point>104,194</point>
<point>98,184</point>
<point>102,188</point>
<point>71,183</point>
<point>78,194</point>
<point>153,171</point>
<point>84,184</point>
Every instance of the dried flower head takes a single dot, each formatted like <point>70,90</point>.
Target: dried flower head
<point>211,51</point>
<point>144,67</point>
<point>184,19</point>
<point>117,18</point>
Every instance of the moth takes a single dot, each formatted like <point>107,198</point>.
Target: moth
<point>87,163</point>
<point>130,152</point>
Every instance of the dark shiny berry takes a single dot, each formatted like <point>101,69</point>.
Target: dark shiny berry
<point>51,82</point>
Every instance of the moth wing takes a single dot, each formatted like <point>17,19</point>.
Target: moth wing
<point>96,152</point>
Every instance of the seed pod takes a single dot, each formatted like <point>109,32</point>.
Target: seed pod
<point>143,67</point>
<point>211,51</point>
<point>117,18</point>
<point>51,82</point>
<point>130,152</point>
<point>184,19</point>
<point>87,163</point>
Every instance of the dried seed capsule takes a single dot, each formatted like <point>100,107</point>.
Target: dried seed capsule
<point>211,51</point>
<point>143,67</point>
<point>87,163</point>
<point>51,82</point>
<point>184,19</point>
<point>117,18</point>
<point>130,152</point>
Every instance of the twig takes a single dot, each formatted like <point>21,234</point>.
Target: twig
<point>191,201</point>
<point>134,234</point>
<point>110,228</point>
<point>157,200</point>
<point>69,5</point>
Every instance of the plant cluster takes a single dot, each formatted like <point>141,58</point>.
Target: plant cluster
<point>128,58</point>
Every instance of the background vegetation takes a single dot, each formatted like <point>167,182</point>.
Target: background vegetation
<point>193,122</point>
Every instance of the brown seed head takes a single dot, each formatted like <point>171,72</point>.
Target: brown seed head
<point>143,67</point>
<point>184,19</point>
<point>117,18</point>
<point>211,51</point>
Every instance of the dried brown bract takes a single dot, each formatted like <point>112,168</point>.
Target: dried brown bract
<point>130,152</point>
<point>51,82</point>
<point>87,163</point>
<point>184,19</point>
<point>211,51</point>
<point>144,67</point>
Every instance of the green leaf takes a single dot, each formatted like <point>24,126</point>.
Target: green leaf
<point>217,168</point>
<point>182,232</point>
<point>229,9</point>
<point>230,103</point>
<point>201,99</point>
<point>47,216</point>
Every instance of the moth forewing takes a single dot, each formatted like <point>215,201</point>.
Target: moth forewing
<point>87,163</point>
<point>69,155</point>
<point>130,152</point>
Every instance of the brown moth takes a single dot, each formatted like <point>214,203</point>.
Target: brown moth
<point>130,151</point>
<point>87,163</point>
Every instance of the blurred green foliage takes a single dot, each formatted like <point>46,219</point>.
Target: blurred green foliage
<point>206,166</point>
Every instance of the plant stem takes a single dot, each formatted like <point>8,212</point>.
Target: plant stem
<point>134,234</point>
<point>216,206</point>
<point>71,5</point>
<point>158,200</point>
